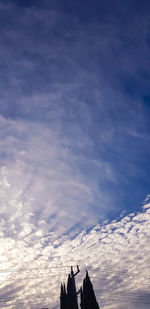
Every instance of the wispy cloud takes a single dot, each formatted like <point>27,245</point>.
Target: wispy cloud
<point>41,175</point>
<point>71,137</point>
<point>74,139</point>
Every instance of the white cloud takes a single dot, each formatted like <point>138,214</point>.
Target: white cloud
<point>53,180</point>
<point>47,175</point>
<point>116,255</point>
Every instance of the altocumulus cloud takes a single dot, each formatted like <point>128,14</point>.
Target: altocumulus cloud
<point>116,254</point>
<point>72,140</point>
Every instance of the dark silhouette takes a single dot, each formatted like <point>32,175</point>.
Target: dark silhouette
<point>68,299</point>
<point>88,299</point>
<point>63,297</point>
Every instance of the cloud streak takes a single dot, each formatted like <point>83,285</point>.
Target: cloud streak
<point>74,139</point>
<point>41,176</point>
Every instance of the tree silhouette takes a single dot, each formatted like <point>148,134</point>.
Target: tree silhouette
<point>63,297</point>
<point>68,297</point>
<point>71,292</point>
<point>88,299</point>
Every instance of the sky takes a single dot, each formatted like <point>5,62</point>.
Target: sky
<point>74,150</point>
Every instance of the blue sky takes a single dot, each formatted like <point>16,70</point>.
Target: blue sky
<point>84,69</point>
<point>74,118</point>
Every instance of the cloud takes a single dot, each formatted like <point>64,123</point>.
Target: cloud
<point>69,147</point>
<point>43,177</point>
<point>115,253</point>
<point>74,141</point>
